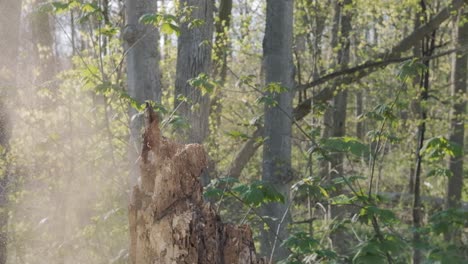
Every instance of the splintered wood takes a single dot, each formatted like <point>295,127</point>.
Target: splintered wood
<point>169,221</point>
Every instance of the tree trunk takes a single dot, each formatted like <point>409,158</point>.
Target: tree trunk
<point>10,14</point>
<point>194,58</point>
<point>278,65</point>
<point>427,48</point>
<point>337,114</point>
<point>143,76</point>
<point>335,118</point>
<point>457,130</point>
<point>222,43</point>
<point>169,222</point>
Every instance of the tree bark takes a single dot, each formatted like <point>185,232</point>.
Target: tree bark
<point>457,129</point>
<point>10,14</point>
<point>143,75</point>
<point>278,65</point>
<point>193,58</point>
<point>169,222</point>
<point>222,43</point>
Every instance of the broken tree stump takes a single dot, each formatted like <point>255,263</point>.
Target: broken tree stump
<point>169,221</point>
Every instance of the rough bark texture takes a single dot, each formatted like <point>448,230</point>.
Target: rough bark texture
<point>194,58</point>
<point>10,13</point>
<point>457,129</point>
<point>143,75</point>
<point>169,222</point>
<point>141,44</point>
<point>278,65</point>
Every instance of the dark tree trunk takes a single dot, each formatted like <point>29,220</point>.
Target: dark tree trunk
<point>143,76</point>
<point>194,58</point>
<point>457,126</point>
<point>278,65</point>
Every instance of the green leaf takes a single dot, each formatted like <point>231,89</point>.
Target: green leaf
<point>267,100</point>
<point>346,144</point>
<point>169,28</point>
<point>204,83</point>
<point>439,147</point>
<point>410,69</point>
<point>342,200</point>
<point>275,88</point>
<point>150,19</point>
<point>369,211</point>
<point>237,135</point>
<point>258,193</point>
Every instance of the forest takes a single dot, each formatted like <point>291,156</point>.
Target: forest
<point>203,131</point>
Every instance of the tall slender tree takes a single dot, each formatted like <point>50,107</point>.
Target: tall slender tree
<point>457,129</point>
<point>143,75</point>
<point>279,69</point>
<point>335,117</point>
<point>194,58</point>
<point>10,16</point>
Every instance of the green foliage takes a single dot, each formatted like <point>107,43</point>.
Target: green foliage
<point>253,194</point>
<point>410,69</point>
<point>204,83</point>
<point>347,145</point>
<point>439,147</point>
<point>166,22</point>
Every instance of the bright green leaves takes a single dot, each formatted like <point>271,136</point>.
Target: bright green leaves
<point>204,83</point>
<point>61,7</point>
<point>87,10</point>
<point>166,22</point>
<point>275,88</point>
<point>270,93</point>
<point>253,194</point>
<point>311,186</point>
<point>237,135</point>
<point>439,147</point>
<point>171,24</point>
